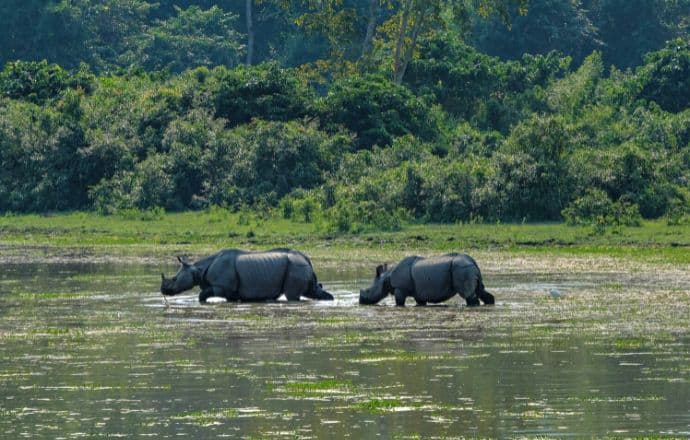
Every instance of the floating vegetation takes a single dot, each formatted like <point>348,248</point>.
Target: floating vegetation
<point>323,388</point>
<point>628,343</point>
<point>93,350</point>
<point>206,417</point>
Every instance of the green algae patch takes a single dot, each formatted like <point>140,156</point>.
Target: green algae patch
<point>629,343</point>
<point>206,417</point>
<point>323,388</point>
<point>380,406</point>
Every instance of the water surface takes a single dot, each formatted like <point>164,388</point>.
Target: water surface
<point>92,351</point>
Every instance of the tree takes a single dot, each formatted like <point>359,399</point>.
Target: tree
<point>631,28</point>
<point>106,33</point>
<point>376,110</point>
<point>665,77</point>
<point>561,25</point>
<point>19,20</point>
<point>250,32</point>
<point>194,37</point>
<point>400,29</point>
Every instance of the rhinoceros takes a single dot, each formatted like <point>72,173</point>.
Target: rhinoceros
<point>238,275</point>
<point>429,280</point>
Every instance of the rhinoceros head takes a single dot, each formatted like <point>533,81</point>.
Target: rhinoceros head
<point>379,289</point>
<point>183,280</point>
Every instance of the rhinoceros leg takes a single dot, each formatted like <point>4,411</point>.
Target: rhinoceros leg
<point>472,302</point>
<point>400,296</point>
<point>298,277</point>
<point>420,302</point>
<point>205,294</point>
<point>231,296</point>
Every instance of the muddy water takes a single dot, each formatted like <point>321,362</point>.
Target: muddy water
<point>92,351</point>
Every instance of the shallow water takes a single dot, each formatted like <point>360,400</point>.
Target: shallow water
<point>91,351</point>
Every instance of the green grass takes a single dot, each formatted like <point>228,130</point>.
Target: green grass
<point>81,233</point>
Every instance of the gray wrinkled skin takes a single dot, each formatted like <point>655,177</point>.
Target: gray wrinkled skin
<point>429,280</point>
<point>238,275</point>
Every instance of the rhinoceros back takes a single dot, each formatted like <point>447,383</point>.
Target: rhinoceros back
<point>261,275</point>
<point>432,279</point>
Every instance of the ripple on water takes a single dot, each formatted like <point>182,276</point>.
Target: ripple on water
<point>108,355</point>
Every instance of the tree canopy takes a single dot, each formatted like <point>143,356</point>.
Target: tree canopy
<point>355,112</point>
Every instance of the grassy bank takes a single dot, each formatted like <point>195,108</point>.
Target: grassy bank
<point>149,235</point>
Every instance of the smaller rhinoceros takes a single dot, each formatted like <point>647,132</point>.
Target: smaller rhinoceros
<point>238,275</point>
<point>429,280</point>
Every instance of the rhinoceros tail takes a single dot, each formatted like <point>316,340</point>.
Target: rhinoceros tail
<point>486,297</point>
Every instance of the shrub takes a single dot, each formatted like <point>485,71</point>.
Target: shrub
<point>32,81</point>
<point>265,92</point>
<point>678,213</point>
<point>348,216</point>
<point>595,208</point>
<point>377,111</point>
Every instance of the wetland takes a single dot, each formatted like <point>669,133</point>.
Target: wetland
<point>91,350</point>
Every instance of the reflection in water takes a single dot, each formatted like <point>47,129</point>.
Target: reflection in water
<point>93,351</point>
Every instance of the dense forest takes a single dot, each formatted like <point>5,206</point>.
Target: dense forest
<point>359,113</point>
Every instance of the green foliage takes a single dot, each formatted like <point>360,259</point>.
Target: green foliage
<point>576,91</point>
<point>266,92</point>
<point>531,178</point>
<point>194,37</point>
<point>563,26</point>
<point>665,77</point>
<point>678,212</point>
<point>103,33</point>
<point>453,135</point>
<point>376,111</point>
<point>355,217</point>
<point>623,30</point>
<point>36,82</point>
<point>631,28</point>
<point>595,208</point>
<point>479,88</point>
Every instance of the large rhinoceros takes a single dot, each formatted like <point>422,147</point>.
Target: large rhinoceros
<point>432,280</point>
<point>238,275</point>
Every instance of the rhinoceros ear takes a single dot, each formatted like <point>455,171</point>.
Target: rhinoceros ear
<point>379,270</point>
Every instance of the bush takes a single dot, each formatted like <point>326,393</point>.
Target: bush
<point>595,208</point>
<point>264,92</point>
<point>32,81</point>
<point>155,213</point>
<point>376,110</point>
<point>360,216</point>
<point>678,213</point>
